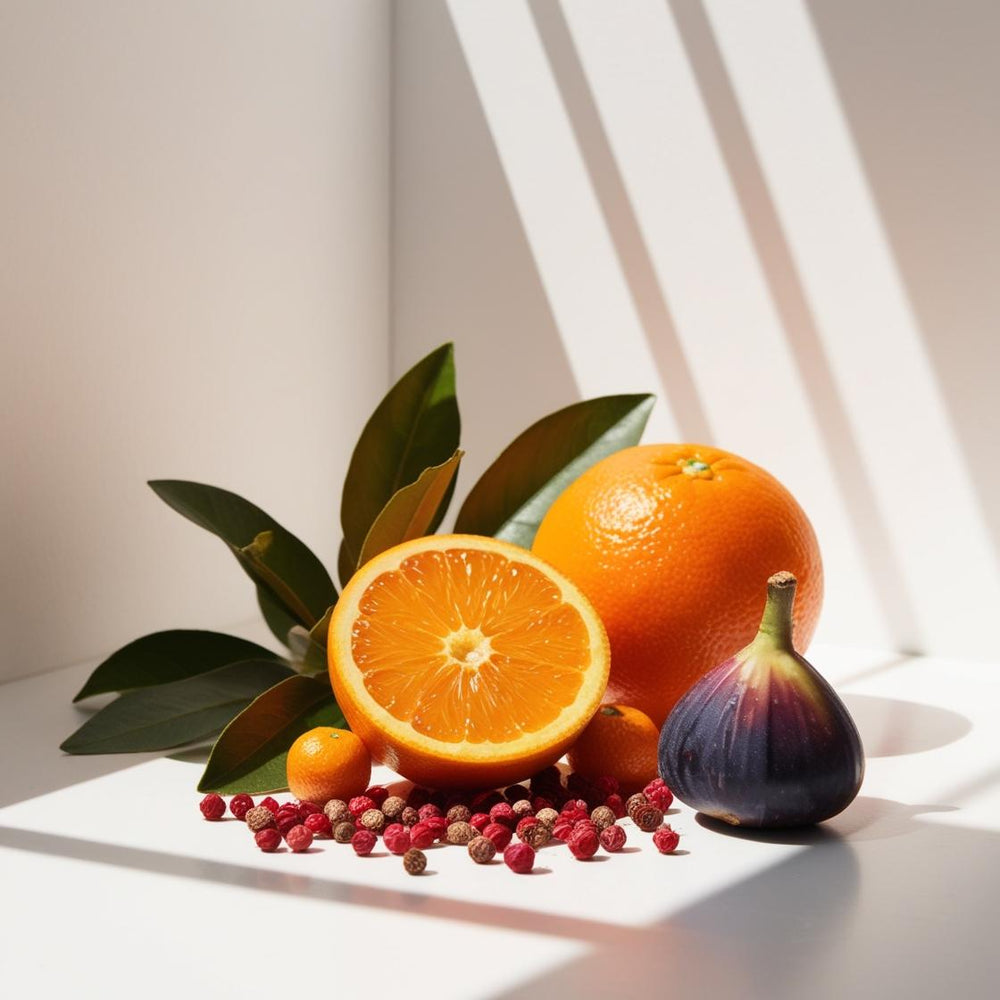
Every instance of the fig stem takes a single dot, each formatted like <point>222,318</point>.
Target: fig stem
<point>776,622</point>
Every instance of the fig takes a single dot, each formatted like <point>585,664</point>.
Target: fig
<point>762,740</point>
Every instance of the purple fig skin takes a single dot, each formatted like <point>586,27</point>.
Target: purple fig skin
<point>762,740</point>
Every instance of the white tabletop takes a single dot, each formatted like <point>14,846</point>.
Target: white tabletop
<point>114,886</point>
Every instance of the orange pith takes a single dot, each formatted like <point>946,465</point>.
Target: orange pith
<point>465,661</point>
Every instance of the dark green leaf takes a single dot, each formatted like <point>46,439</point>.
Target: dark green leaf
<point>416,426</point>
<point>278,620</point>
<point>170,715</point>
<point>169,656</point>
<point>272,556</point>
<point>309,648</point>
<point>412,509</point>
<point>513,494</point>
<point>250,754</point>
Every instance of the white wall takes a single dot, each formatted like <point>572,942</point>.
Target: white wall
<point>783,218</point>
<point>194,224</point>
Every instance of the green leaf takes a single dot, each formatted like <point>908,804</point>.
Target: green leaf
<point>170,715</point>
<point>416,426</point>
<point>412,510</point>
<point>278,620</point>
<point>272,556</point>
<point>513,494</point>
<point>163,657</point>
<point>309,648</point>
<point>250,754</point>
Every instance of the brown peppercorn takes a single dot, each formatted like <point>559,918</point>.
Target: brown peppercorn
<point>548,816</point>
<point>259,818</point>
<point>414,861</point>
<point>343,831</point>
<point>633,802</point>
<point>393,808</point>
<point>537,835</point>
<point>336,811</point>
<point>482,850</point>
<point>409,816</point>
<point>602,816</point>
<point>522,808</point>
<point>460,832</point>
<point>373,819</point>
<point>459,814</point>
<point>647,817</point>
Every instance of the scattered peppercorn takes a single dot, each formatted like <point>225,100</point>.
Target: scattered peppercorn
<point>659,794</point>
<point>479,821</point>
<point>601,817</point>
<point>525,824</point>
<point>363,842</point>
<point>429,810</point>
<point>409,816</point>
<point>299,838</point>
<point>540,802</point>
<point>647,817</point>
<point>378,794</point>
<point>268,839</point>
<point>616,804</point>
<point>666,839</point>
<point>438,825</point>
<point>240,805</point>
<point>421,836</point>
<point>344,831</point>
<point>548,816</point>
<point>538,835</point>
<point>583,842</point>
<point>414,861</point>
<point>519,858</point>
<point>318,824</point>
<point>373,819</point>
<point>270,804</point>
<point>460,833</point>
<point>612,838</point>
<point>393,807</point>
<point>562,830</point>
<point>502,813</point>
<point>482,850</point>
<point>633,802</point>
<point>458,814</point>
<point>307,808</point>
<point>606,785</point>
<point>360,804</point>
<point>286,821</point>
<point>259,818</point>
<point>212,806</point>
<point>499,834</point>
<point>336,811</point>
<point>397,838</point>
<point>522,808</point>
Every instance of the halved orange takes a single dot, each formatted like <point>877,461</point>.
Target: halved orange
<point>465,662</point>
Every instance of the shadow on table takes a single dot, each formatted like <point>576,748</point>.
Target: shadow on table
<point>890,727</point>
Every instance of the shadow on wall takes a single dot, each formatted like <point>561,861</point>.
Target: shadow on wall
<point>918,84</point>
<point>464,226</point>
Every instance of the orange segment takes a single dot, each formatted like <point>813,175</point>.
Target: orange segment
<point>464,661</point>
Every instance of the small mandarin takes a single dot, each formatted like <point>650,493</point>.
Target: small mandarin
<point>327,763</point>
<point>619,742</point>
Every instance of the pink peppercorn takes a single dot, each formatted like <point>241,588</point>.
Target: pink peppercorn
<point>299,838</point>
<point>397,839</point>
<point>612,838</point>
<point>499,834</point>
<point>502,813</point>
<point>421,836</point>
<point>268,839</point>
<point>286,822</point>
<point>562,830</point>
<point>378,794</point>
<point>525,824</point>
<point>519,858</point>
<point>438,825</point>
<point>360,804</point>
<point>318,824</point>
<point>269,804</point>
<point>659,794</point>
<point>479,821</point>
<point>539,802</point>
<point>616,804</point>
<point>240,805</point>
<point>607,785</point>
<point>363,842</point>
<point>212,806</point>
<point>307,808</point>
<point>666,839</point>
<point>583,842</point>
<point>429,811</point>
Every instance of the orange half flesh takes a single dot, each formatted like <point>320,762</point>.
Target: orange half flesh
<point>464,661</point>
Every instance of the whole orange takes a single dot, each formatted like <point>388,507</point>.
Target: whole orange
<point>326,763</point>
<point>619,741</point>
<point>674,544</point>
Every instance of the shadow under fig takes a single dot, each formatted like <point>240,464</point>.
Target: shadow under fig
<point>890,726</point>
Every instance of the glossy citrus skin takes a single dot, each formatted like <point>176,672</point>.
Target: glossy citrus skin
<point>619,741</point>
<point>673,544</point>
<point>465,662</point>
<point>326,763</point>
